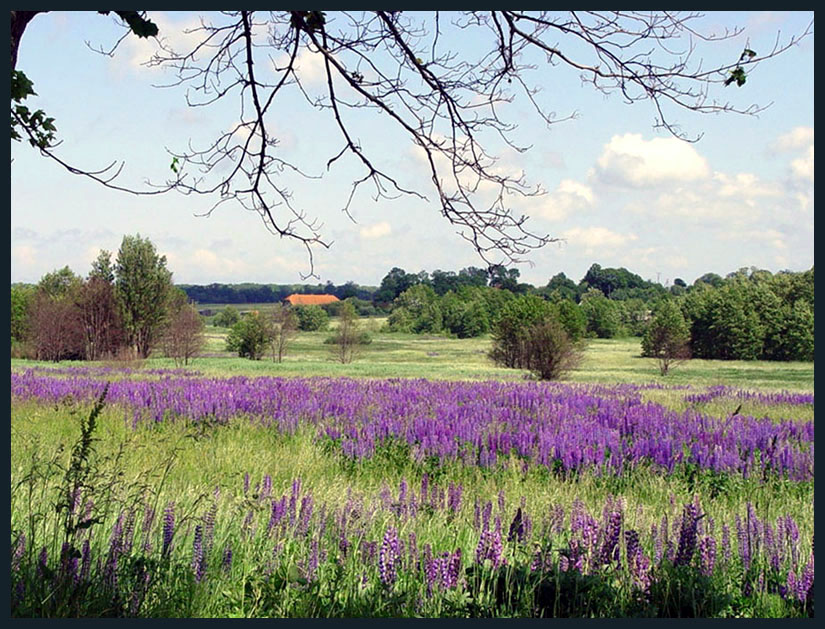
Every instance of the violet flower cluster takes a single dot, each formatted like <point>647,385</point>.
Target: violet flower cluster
<point>606,429</point>
<point>364,536</point>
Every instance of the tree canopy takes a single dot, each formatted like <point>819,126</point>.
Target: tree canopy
<point>457,104</point>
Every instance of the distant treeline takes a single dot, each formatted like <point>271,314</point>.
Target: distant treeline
<point>249,293</point>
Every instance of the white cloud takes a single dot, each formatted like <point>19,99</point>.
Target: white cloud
<point>765,237</point>
<point>309,66</point>
<point>596,239</point>
<point>570,195</point>
<point>743,186</point>
<point>803,167</point>
<point>794,140</point>
<point>630,160</point>
<point>378,230</point>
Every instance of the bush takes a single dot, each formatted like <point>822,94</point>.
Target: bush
<point>249,337</point>
<point>312,318</point>
<point>226,318</point>
<point>510,329</point>
<point>549,350</point>
<point>529,335</point>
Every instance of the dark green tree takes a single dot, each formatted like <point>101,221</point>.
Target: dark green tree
<point>226,318</point>
<point>562,286</point>
<point>312,318</point>
<point>59,283</point>
<point>21,297</point>
<point>250,337</point>
<point>573,319</point>
<point>103,268</point>
<point>510,329</point>
<point>603,315</point>
<point>416,310</point>
<point>799,334</point>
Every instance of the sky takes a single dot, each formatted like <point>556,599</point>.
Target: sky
<point>618,191</point>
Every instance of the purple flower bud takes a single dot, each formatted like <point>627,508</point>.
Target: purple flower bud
<point>168,528</point>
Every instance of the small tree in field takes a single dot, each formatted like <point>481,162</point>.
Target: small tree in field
<point>530,335</point>
<point>226,318</point>
<point>312,318</point>
<point>349,337</point>
<point>55,329</point>
<point>284,328</point>
<point>667,338</point>
<point>250,337</point>
<point>183,336</point>
<point>550,350</point>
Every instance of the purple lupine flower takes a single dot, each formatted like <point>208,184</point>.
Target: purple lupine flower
<point>311,573</point>
<point>806,580</point>
<point>485,515</point>
<point>476,514</point>
<point>516,528</point>
<point>687,534</point>
<point>452,570</point>
<point>168,528</point>
<point>412,551</point>
<point>399,508</point>
<point>707,555</point>
<point>198,556</point>
<point>388,557</point>
<point>306,513</point>
<point>494,551</point>
<point>790,584</point>
<point>42,561</point>
<point>68,563</point>
<point>116,538</point>
<point>128,532</point>
<point>612,531</point>
<point>209,527</point>
<point>247,529</point>
<point>246,483</point>
<point>432,571</point>
<point>368,552</point>
<point>483,543</point>
<point>742,534</point>
<point>19,551</point>
<point>425,482</point>
<point>146,528</point>
<point>454,497</point>
<point>726,549</point>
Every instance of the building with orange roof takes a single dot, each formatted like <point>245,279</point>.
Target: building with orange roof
<point>310,300</point>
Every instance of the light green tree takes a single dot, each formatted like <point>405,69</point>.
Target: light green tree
<point>142,286</point>
<point>667,338</point>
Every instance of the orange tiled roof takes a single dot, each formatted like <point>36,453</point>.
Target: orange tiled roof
<point>310,300</point>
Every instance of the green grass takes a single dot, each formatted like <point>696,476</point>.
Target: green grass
<point>398,355</point>
<point>186,463</point>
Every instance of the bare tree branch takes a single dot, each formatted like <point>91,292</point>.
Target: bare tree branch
<point>455,107</point>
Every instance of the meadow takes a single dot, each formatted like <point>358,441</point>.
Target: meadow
<point>419,480</point>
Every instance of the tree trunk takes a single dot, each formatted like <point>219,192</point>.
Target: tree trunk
<point>19,21</point>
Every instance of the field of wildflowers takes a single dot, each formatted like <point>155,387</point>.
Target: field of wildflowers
<point>185,495</point>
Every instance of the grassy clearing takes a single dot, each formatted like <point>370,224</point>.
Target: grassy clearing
<point>396,355</point>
